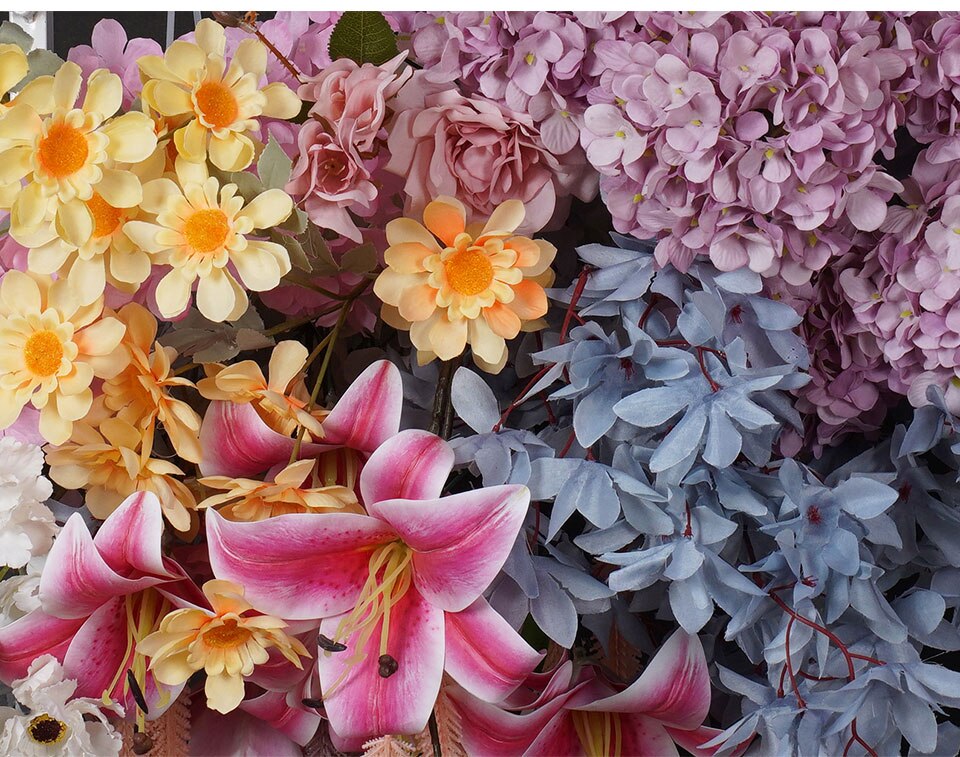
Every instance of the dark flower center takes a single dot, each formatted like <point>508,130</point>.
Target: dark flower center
<point>47,730</point>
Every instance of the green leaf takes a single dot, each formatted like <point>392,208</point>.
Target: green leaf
<point>360,259</point>
<point>298,256</point>
<point>274,166</point>
<point>248,185</point>
<point>13,34</point>
<point>363,37</point>
<point>41,63</point>
<point>295,223</point>
<point>319,253</point>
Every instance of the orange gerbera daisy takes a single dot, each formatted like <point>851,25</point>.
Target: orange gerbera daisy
<point>451,284</point>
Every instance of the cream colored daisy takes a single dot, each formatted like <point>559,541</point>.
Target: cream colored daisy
<point>200,228</point>
<point>108,255</point>
<point>38,94</point>
<point>452,285</point>
<point>51,348</point>
<point>223,103</point>
<point>110,459</point>
<point>66,157</point>
<point>227,643</point>
<point>247,500</point>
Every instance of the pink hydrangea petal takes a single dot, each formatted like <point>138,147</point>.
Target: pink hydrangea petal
<point>297,566</point>
<point>411,465</point>
<point>460,542</point>
<point>484,654</point>
<point>365,704</point>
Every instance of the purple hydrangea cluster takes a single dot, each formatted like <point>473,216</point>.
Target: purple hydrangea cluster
<point>749,138</point>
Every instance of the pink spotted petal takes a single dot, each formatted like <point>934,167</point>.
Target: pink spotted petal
<point>237,734</point>
<point>99,650</point>
<point>369,412</point>
<point>484,654</point>
<point>129,541</point>
<point>297,566</point>
<point>365,704</point>
<point>297,724</point>
<point>644,735</point>
<point>236,442</point>
<point>559,739</point>
<point>460,541</point>
<point>411,465</point>
<point>491,730</point>
<point>35,634</point>
<point>76,580</point>
<point>674,688</point>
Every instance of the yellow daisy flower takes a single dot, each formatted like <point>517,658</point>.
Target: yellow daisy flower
<point>108,255</point>
<point>280,401</point>
<point>200,228</point>
<point>227,643</point>
<point>248,500</point>
<point>452,285</point>
<point>38,94</point>
<point>50,350</point>
<point>140,394</point>
<point>109,459</point>
<point>192,80</point>
<point>68,155</point>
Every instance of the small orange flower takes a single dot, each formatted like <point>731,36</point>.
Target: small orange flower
<point>451,284</point>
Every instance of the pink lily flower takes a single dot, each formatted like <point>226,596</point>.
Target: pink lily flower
<point>400,588</point>
<point>237,442</point>
<point>100,595</point>
<point>581,714</point>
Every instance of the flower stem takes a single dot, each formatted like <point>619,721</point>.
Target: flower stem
<point>435,734</point>
<point>441,422</point>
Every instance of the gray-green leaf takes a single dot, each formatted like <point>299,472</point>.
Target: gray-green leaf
<point>363,37</point>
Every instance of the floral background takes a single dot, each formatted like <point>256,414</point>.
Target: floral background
<point>482,383</point>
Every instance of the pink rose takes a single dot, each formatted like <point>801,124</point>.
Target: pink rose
<point>479,152</point>
<point>351,96</point>
<point>329,179</point>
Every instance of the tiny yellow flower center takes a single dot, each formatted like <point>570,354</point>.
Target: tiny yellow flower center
<point>63,151</point>
<point>906,314</point>
<point>530,58</point>
<point>42,353</point>
<point>955,381</point>
<point>217,103</point>
<point>227,636</point>
<point>106,218</point>
<point>818,70</point>
<point>469,271</point>
<point>599,733</point>
<point>206,230</point>
<point>46,730</point>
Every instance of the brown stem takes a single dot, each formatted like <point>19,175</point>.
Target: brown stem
<point>441,420</point>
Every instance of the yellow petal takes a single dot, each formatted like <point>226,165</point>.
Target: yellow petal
<point>100,338</point>
<point>252,56</point>
<point>104,94</point>
<point>121,189</point>
<point>13,66</point>
<point>505,218</point>
<point>66,85</point>
<point>286,362</point>
<point>20,122</point>
<point>132,138</point>
<point>448,338</point>
<point>191,142</point>
<point>401,230</point>
<point>445,220</point>
<point>258,269</point>
<point>74,222</point>
<point>173,293</point>
<point>53,427</point>
<point>216,297</point>
<point>210,37</point>
<point>233,153</point>
<point>282,102</point>
<point>167,98</point>
<point>185,60</point>
<point>144,235</point>
<point>19,293</point>
<point>268,209</point>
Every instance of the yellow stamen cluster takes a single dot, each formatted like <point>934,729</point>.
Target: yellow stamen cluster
<point>600,733</point>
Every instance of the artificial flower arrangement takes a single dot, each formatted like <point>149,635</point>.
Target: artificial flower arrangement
<point>482,383</point>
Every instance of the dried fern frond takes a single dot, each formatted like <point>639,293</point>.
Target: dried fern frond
<point>389,746</point>
<point>449,730</point>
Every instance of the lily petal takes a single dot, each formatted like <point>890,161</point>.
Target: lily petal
<point>411,465</point>
<point>364,704</point>
<point>76,579</point>
<point>130,539</point>
<point>368,413</point>
<point>674,688</point>
<point>237,443</point>
<point>296,566</point>
<point>296,723</point>
<point>484,654</point>
<point>460,542</point>
<point>35,634</point>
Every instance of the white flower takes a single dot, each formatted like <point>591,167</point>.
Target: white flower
<point>55,724</point>
<point>27,526</point>
<point>21,594</point>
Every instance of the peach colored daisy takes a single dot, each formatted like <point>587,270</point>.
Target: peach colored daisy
<point>451,284</point>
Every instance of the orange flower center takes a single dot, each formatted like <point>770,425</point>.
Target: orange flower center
<point>469,271</point>
<point>206,230</point>
<point>227,636</point>
<point>217,104</point>
<point>42,353</point>
<point>106,218</point>
<point>63,151</point>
